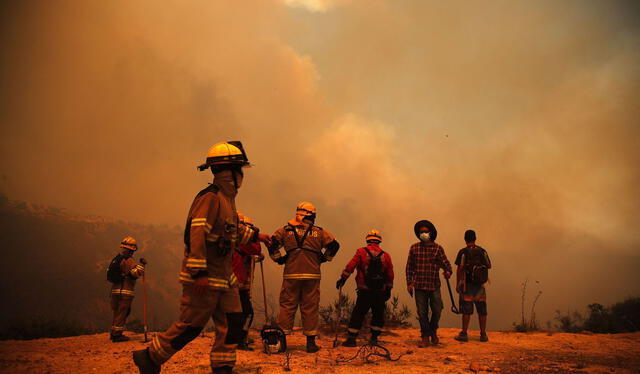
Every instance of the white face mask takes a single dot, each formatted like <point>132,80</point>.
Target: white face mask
<point>425,236</point>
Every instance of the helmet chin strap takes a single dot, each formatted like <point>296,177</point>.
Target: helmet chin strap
<point>235,179</point>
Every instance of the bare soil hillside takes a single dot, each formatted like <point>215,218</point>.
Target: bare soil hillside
<point>507,352</point>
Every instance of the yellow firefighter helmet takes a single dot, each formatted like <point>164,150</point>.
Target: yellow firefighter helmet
<point>229,153</point>
<point>374,235</point>
<point>129,243</point>
<point>306,208</point>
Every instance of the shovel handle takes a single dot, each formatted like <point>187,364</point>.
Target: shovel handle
<point>264,294</point>
<point>144,308</point>
<point>454,309</point>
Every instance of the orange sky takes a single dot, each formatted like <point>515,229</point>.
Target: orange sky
<point>516,119</point>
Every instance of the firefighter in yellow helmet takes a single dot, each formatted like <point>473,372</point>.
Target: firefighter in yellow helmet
<point>122,273</point>
<point>374,282</point>
<point>303,244</point>
<point>209,287</point>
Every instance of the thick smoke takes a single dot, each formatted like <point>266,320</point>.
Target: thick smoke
<point>515,119</point>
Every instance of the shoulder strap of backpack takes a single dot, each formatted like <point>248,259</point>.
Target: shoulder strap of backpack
<point>300,241</point>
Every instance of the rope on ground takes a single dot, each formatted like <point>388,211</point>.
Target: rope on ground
<point>368,351</point>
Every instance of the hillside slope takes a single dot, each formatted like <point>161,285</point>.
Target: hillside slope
<point>55,266</point>
<point>507,352</point>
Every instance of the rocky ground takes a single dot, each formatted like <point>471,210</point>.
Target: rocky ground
<point>506,352</point>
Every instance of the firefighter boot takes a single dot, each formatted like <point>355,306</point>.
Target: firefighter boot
<point>350,341</point>
<point>312,347</point>
<point>244,343</point>
<point>119,338</point>
<point>374,338</point>
<point>222,370</point>
<point>144,363</point>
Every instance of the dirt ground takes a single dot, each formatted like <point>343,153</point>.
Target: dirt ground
<point>506,352</point>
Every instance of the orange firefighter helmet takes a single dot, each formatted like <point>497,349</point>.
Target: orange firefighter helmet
<point>129,243</point>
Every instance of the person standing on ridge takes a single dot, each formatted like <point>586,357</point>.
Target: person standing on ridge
<point>472,273</point>
<point>303,243</point>
<point>424,262</point>
<point>122,273</point>
<point>209,288</point>
<point>374,282</point>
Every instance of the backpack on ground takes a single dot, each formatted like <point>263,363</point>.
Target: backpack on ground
<point>476,264</point>
<point>114,274</point>
<point>374,275</point>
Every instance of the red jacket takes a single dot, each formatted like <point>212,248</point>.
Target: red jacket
<point>241,262</point>
<point>360,261</point>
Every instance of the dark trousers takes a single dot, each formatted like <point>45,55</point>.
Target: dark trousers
<point>366,300</point>
<point>425,300</point>
<point>247,311</point>
<point>121,307</point>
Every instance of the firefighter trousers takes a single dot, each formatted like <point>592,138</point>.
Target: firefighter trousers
<point>303,293</point>
<point>368,299</point>
<point>222,306</point>
<point>247,311</point>
<point>121,307</point>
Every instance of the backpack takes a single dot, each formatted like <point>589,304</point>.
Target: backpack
<point>476,266</point>
<point>374,275</point>
<point>114,274</point>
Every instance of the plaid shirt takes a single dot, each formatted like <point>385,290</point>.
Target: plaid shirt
<point>424,261</point>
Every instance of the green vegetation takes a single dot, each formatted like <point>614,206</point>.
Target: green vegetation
<point>396,315</point>
<point>621,317</point>
<point>531,323</point>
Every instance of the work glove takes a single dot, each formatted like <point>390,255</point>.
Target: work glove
<point>143,261</point>
<point>340,283</point>
<point>282,260</point>
<point>322,258</point>
<point>264,239</point>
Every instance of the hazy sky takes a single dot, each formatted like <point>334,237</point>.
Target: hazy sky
<point>517,119</point>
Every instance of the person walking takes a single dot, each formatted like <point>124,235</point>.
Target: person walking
<point>424,262</point>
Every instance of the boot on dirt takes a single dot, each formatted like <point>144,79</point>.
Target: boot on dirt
<point>374,337</point>
<point>243,346</point>
<point>312,347</point>
<point>119,338</point>
<point>222,370</point>
<point>244,343</point>
<point>484,337</point>
<point>144,363</point>
<point>350,341</point>
<point>462,337</point>
<point>434,339</point>
<point>424,342</point>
